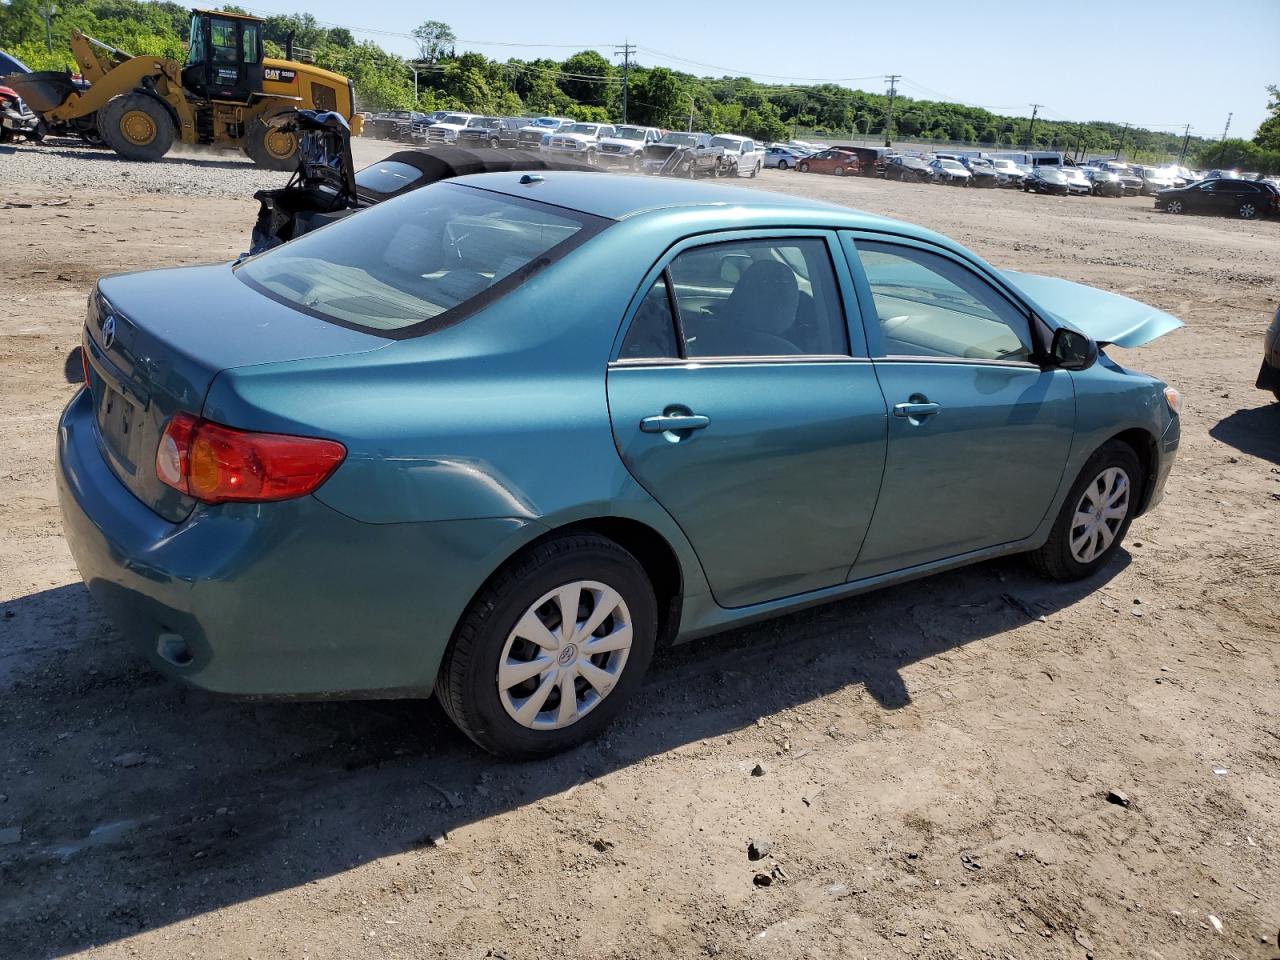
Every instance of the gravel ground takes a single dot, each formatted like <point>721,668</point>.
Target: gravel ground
<point>70,167</point>
<point>937,757</point>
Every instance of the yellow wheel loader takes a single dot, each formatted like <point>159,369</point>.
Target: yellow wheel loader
<point>222,96</point>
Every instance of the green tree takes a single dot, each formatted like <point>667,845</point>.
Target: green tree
<point>1268,137</point>
<point>586,79</point>
<point>434,40</point>
<point>657,99</point>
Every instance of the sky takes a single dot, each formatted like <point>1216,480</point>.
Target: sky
<point>1158,65</point>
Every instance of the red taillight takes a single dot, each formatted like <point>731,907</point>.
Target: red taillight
<point>215,464</point>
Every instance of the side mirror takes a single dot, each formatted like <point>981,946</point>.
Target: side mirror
<point>1072,350</point>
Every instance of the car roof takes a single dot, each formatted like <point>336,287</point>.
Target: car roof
<point>617,197</point>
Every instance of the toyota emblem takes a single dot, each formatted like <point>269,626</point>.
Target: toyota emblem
<point>108,331</point>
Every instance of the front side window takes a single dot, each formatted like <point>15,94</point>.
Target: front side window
<point>411,260</point>
<point>750,298</point>
<point>930,306</point>
<point>196,51</point>
<point>249,43</point>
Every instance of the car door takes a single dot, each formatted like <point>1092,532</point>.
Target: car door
<point>742,398</point>
<point>978,432</point>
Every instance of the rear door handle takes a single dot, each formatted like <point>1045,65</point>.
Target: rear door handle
<point>673,422</point>
<point>916,411</point>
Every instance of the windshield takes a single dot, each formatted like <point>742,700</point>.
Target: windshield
<point>456,118</point>
<point>413,259</point>
<point>1003,164</point>
<point>629,133</point>
<point>590,129</point>
<point>727,142</point>
<point>546,122</point>
<point>681,139</point>
<point>949,165</point>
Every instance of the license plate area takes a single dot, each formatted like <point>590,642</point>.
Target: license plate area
<point>119,424</point>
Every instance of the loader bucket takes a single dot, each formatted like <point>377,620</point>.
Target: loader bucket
<point>43,91</point>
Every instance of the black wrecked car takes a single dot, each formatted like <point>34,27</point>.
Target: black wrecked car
<point>911,169</point>
<point>684,155</point>
<point>1246,199</point>
<point>327,187</point>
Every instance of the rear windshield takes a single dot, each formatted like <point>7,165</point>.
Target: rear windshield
<point>400,267</point>
<point>388,176</point>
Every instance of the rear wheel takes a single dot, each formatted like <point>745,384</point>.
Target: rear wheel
<point>1094,517</point>
<point>1248,210</point>
<point>782,164</point>
<point>838,171</point>
<point>549,651</point>
<point>755,171</point>
<point>136,126</point>
<point>270,147</point>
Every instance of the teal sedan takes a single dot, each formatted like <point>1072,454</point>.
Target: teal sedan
<point>502,436</point>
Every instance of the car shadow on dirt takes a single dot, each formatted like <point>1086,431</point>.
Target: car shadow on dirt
<point>1255,431</point>
<point>142,803</point>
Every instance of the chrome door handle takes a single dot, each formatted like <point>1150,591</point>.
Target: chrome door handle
<point>674,422</point>
<point>916,411</point>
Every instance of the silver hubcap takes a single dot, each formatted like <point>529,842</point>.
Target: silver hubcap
<point>565,655</point>
<point>1175,206</point>
<point>1099,514</point>
<point>1247,211</point>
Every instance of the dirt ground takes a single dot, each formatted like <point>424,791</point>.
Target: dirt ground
<point>937,757</point>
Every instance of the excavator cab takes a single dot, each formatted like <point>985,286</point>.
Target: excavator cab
<point>224,59</point>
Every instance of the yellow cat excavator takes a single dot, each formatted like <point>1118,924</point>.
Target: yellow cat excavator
<point>222,96</point>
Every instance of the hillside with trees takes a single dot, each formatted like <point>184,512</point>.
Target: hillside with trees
<point>589,87</point>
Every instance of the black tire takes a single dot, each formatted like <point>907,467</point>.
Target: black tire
<point>802,168</point>
<point>782,164</point>
<point>755,171</point>
<point>5,134</point>
<point>1055,559</point>
<point>1175,206</point>
<point>264,145</point>
<point>838,171</point>
<point>467,682</point>
<point>136,126</point>
<point>1247,211</point>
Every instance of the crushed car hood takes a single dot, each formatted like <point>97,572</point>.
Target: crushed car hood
<point>1106,317</point>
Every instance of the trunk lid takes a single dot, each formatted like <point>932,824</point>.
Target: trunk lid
<point>1105,317</point>
<point>156,340</point>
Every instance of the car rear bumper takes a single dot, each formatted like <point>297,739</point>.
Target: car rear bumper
<point>283,599</point>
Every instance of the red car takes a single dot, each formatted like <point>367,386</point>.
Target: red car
<point>835,161</point>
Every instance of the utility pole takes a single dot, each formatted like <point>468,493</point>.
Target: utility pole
<point>1186,138</point>
<point>1123,135</point>
<point>625,51</point>
<point>47,10</point>
<point>893,79</point>
<point>1222,144</point>
<point>1031,127</point>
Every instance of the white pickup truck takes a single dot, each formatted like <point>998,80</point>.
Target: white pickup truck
<point>581,140</point>
<point>742,156</point>
<point>626,146</point>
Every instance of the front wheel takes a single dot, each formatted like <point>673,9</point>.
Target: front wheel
<point>551,649</point>
<point>1094,517</point>
<point>1175,206</point>
<point>803,168</point>
<point>136,126</point>
<point>271,147</point>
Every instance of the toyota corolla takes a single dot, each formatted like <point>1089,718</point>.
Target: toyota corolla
<point>501,436</point>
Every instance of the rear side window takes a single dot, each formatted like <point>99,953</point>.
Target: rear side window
<point>753,298</point>
<point>419,261</point>
<point>387,176</point>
